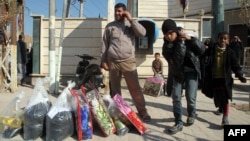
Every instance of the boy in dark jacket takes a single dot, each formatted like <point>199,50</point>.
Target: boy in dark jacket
<point>182,52</point>
<point>218,63</point>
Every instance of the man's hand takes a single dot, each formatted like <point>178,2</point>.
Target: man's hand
<point>105,65</point>
<point>127,15</point>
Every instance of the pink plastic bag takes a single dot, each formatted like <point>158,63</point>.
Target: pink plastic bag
<point>129,113</point>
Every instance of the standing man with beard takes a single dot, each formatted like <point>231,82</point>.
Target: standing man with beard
<point>118,56</point>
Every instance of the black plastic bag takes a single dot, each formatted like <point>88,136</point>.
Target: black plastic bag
<point>36,110</point>
<point>60,126</point>
<point>59,119</point>
<point>34,119</point>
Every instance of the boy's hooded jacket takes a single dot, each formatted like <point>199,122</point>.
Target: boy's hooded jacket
<point>183,56</point>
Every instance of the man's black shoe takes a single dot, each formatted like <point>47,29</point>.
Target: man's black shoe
<point>190,121</point>
<point>176,128</point>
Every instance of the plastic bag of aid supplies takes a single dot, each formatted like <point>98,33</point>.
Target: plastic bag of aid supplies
<point>59,120</point>
<point>36,110</point>
<point>11,118</point>
<point>129,113</point>
<point>82,115</point>
<point>100,113</point>
<point>121,121</point>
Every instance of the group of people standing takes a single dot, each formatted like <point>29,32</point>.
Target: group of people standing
<point>184,55</point>
<point>210,64</point>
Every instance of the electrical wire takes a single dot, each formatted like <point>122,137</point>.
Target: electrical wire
<point>77,9</point>
<point>99,6</point>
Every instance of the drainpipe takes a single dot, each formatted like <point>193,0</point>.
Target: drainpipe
<point>218,20</point>
<point>52,63</point>
<point>135,8</point>
<point>81,9</point>
<point>111,10</point>
<point>132,6</point>
<point>65,5</point>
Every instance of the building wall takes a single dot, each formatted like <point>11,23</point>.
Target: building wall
<point>80,37</point>
<point>84,36</point>
<point>155,8</point>
<point>232,12</point>
<point>231,18</point>
<point>175,9</point>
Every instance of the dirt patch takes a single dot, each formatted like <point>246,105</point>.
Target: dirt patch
<point>243,107</point>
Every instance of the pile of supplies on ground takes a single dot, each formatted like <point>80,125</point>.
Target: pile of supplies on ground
<point>75,113</point>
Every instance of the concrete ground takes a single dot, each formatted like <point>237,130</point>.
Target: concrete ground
<point>206,127</point>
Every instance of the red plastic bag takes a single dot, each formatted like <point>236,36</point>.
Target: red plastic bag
<point>82,114</point>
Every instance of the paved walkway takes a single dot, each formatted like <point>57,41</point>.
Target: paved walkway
<point>206,127</point>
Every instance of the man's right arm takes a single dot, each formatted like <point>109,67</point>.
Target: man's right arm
<point>105,44</point>
<point>104,48</point>
<point>138,29</point>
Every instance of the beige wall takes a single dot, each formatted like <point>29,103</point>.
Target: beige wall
<point>80,37</point>
<point>155,8</point>
<point>85,36</point>
<point>175,9</point>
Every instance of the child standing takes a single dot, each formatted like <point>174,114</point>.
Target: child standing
<point>157,65</point>
<point>182,52</point>
<point>218,63</point>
